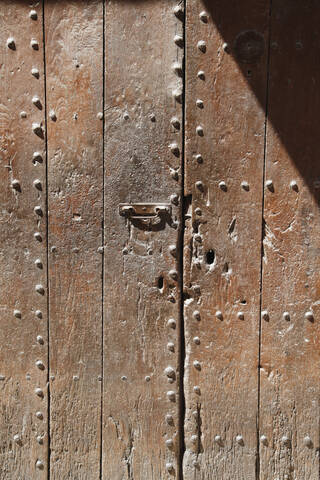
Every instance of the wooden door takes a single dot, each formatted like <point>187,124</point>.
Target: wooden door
<point>159,280</point>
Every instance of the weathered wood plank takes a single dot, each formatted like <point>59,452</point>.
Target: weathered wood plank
<point>142,294</point>
<point>226,77</point>
<point>23,251</point>
<point>290,354</point>
<point>74,53</point>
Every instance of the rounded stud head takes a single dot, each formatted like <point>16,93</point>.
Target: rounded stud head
<point>199,131</point>
<point>201,75</point>
<point>263,440</point>
<point>23,114</point>
<point>172,323</point>
<point>35,72</point>
<point>199,158</point>
<point>178,11</point>
<point>40,465</point>
<point>38,210</point>
<point>40,289</point>
<point>199,103</point>
<point>286,316</point>
<point>239,439</point>
<point>37,157</point>
<point>170,372</point>
<point>15,184</point>
<point>39,392</point>
<point>39,439</point>
<point>294,185</point>
<point>197,365</point>
<point>240,315</point>
<point>218,439</point>
<point>178,40</point>
<point>40,365</point>
<point>307,441</point>
<point>199,185</point>
<point>11,43</point>
<point>173,274</point>
<point>169,419</point>
<point>169,467</point>
<point>52,115</point>
<point>40,339</point>
<point>285,440</point>
<point>198,211</point>
<point>196,340</point>
<point>37,184</point>
<point>226,47</point>
<point>36,101</point>
<point>203,17</point>
<point>39,415</point>
<point>169,443</point>
<point>196,389</point>
<point>265,315</point>
<point>177,94</point>
<point>33,15</point>
<point>17,313</point>
<point>202,46</point>
<point>174,199</point>
<point>194,439</point>
<point>171,395</point>
<point>38,313</point>
<point>34,44</point>
<point>196,315</point>
<point>245,186</point>
<point>309,316</point>
<point>38,263</point>
<point>177,68</point>
<point>17,438</point>
<point>223,186</point>
<point>37,236</point>
<point>219,315</point>
<point>175,122</point>
<point>170,346</point>
<point>269,185</point>
<point>100,116</point>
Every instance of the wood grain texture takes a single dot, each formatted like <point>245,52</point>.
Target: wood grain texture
<point>23,334</point>
<point>74,53</point>
<point>223,235</point>
<point>140,167</point>
<point>290,359</point>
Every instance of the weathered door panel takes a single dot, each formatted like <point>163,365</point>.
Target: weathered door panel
<point>290,358</point>
<point>143,125</point>
<point>23,251</point>
<point>74,67</point>
<point>226,83</point>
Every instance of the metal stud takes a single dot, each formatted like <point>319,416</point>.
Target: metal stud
<point>36,101</point>
<point>174,174</point>
<point>174,148</point>
<point>169,443</point>
<point>15,184</point>
<point>37,129</point>
<point>23,114</point>
<point>199,158</point>
<point>203,17</point>
<point>40,289</point>
<point>218,439</point>
<point>171,395</point>
<point>263,440</point>
<point>245,186</point>
<point>199,131</point>
<point>35,72</point>
<point>173,250</point>
<point>240,315</point>
<point>39,415</point>
<point>199,103</point>
<point>38,263</point>
<point>37,184</point>
<point>178,40</point>
<point>265,315</point>
<point>177,68</point>
<point>40,340</point>
<point>33,15</point>
<point>294,185</point>
<point>219,315</point>
<point>52,115</point>
<point>177,94</point>
<point>38,210</point>
<point>309,316</point>
<point>199,185</point>
<point>169,419</point>
<point>178,11</point>
<point>170,372</point>
<point>170,347</point>
<point>286,316</point>
<point>40,365</point>
<point>269,185</point>
<point>285,440</point>
<point>11,43</point>
<point>147,378</point>
<point>34,44</point>
<point>40,464</point>
<point>239,439</point>
<point>100,116</point>
<point>201,75</point>
<point>198,211</point>
<point>226,47</point>
<point>38,313</point>
<point>196,389</point>
<point>39,392</point>
<point>196,315</point>
<point>17,439</point>
<point>39,439</point>
<point>202,46</point>
<point>37,157</point>
<point>172,323</point>
<point>307,441</point>
<point>197,365</point>
<point>2,377</point>
<point>175,122</point>
<point>169,467</point>
<point>194,439</point>
<point>37,236</point>
<point>174,199</point>
<point>223,186</point>
<point>196,340</point>
<point>17,313</point>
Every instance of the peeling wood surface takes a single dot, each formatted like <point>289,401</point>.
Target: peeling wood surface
<point>74,53</point>
<point>141,287</point>
<point>223,237</point>
<point>105,371</point>
<point>290,361</point>
<point>21,326</point>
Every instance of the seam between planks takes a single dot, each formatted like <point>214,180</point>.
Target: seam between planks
<point>47,238</point>
<point>262,237</point>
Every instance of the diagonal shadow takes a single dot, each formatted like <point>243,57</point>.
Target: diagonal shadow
<point>291,29</point>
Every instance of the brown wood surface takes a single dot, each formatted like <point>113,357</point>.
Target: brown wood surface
<point>290,359</point>
<point>23,332</point>
<point>74,62</point>
<point>140,167</point>
<point>223,237</point>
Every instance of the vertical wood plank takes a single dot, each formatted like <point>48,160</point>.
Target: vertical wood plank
<point>74,54</point>
<point>290,358</point>
<point>23,251</point>
<point>226,75</point>
<point>142,294</point>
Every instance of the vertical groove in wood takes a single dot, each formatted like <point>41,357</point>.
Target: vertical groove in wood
<point>290,359</point>
<point>225,122</point>
<point>74,54</point>
<point>144,40</point>
<point>23,280</point>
